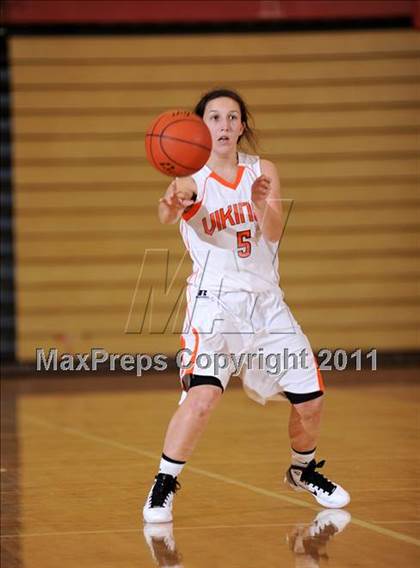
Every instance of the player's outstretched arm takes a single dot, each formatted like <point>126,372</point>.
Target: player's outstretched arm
<point>266,198</point>
<point>177,198</point>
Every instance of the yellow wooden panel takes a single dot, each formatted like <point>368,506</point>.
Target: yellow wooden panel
<point>161,305</point>
<point>29,202</point>
<point>111,302</point>
<point>174,98</point>
<point>92,297</point>
<point>94,124</point>
<point>344,217</point>
<point>356,338</point>
<point>404,338</point>
<point>373,316</point>
<point>319,220</point>
<point>46,252</point>
<point>345,144</point>
<point>298,122</point>
<point>89,322</point>
<point>312,267</point>
<point>116,343</point>
<point>30,251</point>
<point>91,222</point>
<point>351,339</point>
<point>106,272</point>
<point>211,45</point>
<point>381,290</point>
<point>331,267</point>
<point>329,168</point>
<point>394,193</point>
<point>141,75</point>
<point>282,145</point>
<point>350,243</point>
<point>96,296</point>
<point>89,174</point>
<point>346,290</point>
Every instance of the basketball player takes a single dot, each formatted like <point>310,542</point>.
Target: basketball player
<point>230,218</point>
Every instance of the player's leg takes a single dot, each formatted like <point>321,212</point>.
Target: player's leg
<point>303,474</point>
<point>302,383</point>
<point>184,430</point>
<point>189,421</point>
<point>295,375</point>
<point>304,424</point>
<point>204,377</point>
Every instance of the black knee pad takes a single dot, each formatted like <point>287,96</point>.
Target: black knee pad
<point>190,381</point>
<point>295,398</point>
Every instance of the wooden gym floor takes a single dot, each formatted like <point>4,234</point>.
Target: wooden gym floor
<point>79,455</point>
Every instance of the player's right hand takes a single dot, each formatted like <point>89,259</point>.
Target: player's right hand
<point>175,198</point>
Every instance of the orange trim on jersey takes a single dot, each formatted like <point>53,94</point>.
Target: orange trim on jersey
<point>191,212</point>
<point>233,185</point>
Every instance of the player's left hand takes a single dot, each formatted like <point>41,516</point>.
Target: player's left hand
<point>260,189</point>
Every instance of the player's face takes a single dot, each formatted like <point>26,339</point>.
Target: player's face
<point>223,117</point>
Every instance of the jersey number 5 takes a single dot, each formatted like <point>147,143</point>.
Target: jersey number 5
<point>244,246</point>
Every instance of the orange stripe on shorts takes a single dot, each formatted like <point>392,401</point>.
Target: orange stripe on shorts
<point>190,368</point>
<point>318,373</point>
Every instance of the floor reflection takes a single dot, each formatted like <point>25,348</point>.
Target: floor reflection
<point>308,542</point>
<point>161,542</point>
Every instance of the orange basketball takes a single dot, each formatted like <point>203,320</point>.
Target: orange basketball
<point>178,143</point>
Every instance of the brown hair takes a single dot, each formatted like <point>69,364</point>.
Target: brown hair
<point>246,117</point>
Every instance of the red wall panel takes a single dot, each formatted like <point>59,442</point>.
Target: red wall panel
<point>145,11</point>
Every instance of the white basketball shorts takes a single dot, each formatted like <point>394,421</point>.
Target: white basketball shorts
<point>251,335</point>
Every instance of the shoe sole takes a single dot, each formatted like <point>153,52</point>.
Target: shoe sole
<point>158,520</point>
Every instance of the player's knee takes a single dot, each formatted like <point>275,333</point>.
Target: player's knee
<point>309,409</point>
<point>202,400</point>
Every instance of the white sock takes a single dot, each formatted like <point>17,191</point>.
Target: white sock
<point>171,467</point>
<point>302,458</point>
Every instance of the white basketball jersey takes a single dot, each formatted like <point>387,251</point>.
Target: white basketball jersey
<point>221,233</point>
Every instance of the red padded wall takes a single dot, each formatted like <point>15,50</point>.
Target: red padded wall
<point>126,11</point>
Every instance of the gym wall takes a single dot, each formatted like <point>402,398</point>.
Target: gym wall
<point>338,112</point>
